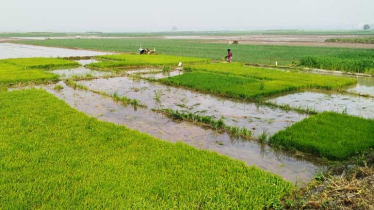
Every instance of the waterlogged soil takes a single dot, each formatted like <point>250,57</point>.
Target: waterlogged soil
<point>8,50</point>
<point>161,75</point>
<point>352,105</point>
<point>365,84</point>
<point>79,72</point>
<point>259,119</point>
<point>295,168</point>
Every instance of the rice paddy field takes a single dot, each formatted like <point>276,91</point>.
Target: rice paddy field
<point>255,54</point>
<point>138,132</point>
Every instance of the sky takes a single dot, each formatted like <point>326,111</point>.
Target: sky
<point>191,15</point>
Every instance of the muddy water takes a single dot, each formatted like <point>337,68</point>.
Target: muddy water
<point>296,169</point>
<point>353,105</point>
<point>8,50</point>
<point>235,113</point>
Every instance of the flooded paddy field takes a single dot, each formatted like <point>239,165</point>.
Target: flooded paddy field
<point>352,105</point>
<point>295,168</point>
<point>357,100</point>
<point>256,118</point>
<point>9,50</point>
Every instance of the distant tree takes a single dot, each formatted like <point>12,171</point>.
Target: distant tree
<point>366,27</point>
<point>174,28</point>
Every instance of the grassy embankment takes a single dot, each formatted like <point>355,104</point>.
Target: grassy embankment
<point>53,156</point>
<point>330,135</point>
<point>120,61</point>
<point>31,69</point>
<point>285,55</point>
<point>238,81</point>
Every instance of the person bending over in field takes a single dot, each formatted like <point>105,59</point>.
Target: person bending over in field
<point>229,56</point>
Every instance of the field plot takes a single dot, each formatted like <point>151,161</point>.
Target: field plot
<point>259,54</point>
<point>12,74</point>
<point>357,63</point>
<point>29,69</point>
<point>239,81</point>
<point>110,166</point>
<point>41,63</point>
<point>132,60</point>
<point>320,102</point>
<point>158,125</point>
<point>331,135</point>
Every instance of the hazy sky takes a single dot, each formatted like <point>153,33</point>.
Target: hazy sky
<point>161,15</point>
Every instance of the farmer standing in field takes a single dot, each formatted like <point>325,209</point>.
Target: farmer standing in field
<point>229,56</point>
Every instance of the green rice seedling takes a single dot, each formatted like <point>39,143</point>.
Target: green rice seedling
<point>11,74</point>
<point>329,135</point>
<point>58,87</point>
<point>245,132</point>
<point>75,85</point>
<point>158,94</point>
<point>41,63</point>
<point>207,121</point>
<point>262,85</point>
<point>55,156</point>
<point>166,69</point>
<point>263,137</point>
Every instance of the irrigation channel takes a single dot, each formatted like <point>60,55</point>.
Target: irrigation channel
<point>139,84</point>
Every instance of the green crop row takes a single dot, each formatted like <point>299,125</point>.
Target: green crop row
<point>347,63</point>
<point>208,122</point>
<point>55,157</point>
<point>330,135</point>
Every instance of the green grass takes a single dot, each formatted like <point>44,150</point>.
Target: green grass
<point>29,69</point>
<point>133,60</point>
<point>285,55</point>
<point>54,157</point>
<point>330,135</point>
<point>343,62</point>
